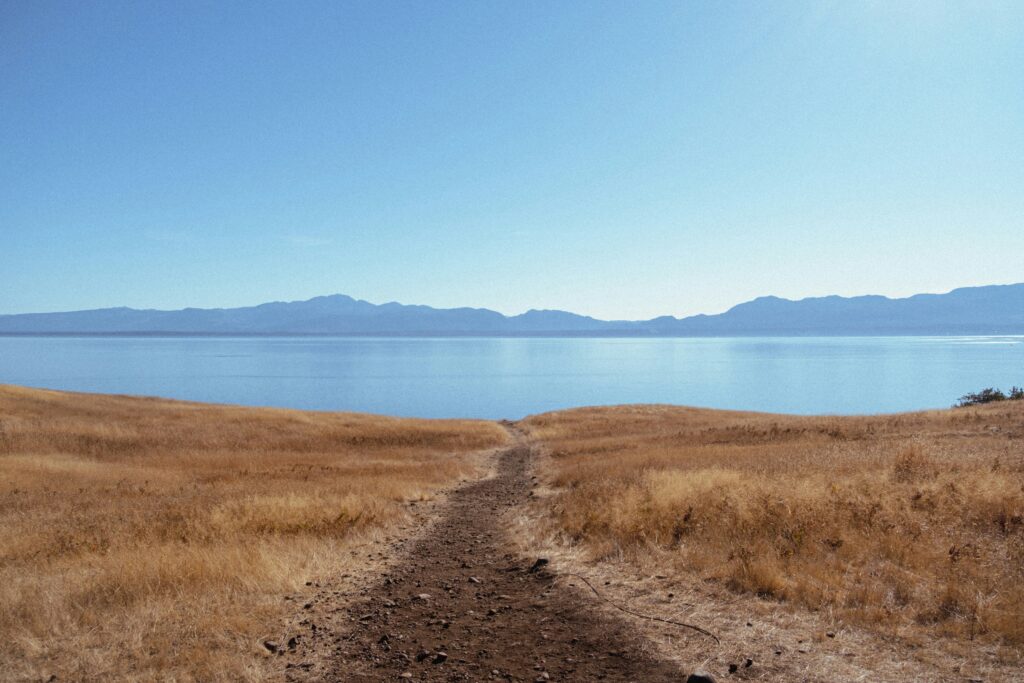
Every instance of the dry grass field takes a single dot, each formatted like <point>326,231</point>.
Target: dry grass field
<point>909,525</point>
<point>156,540</point>
<point>148,539</point>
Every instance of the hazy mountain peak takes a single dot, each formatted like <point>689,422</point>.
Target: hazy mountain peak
<point>996,309</point>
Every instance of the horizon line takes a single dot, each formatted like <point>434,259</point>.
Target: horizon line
<point>513,315</point>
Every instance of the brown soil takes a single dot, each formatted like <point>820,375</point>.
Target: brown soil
<point>462,605</point>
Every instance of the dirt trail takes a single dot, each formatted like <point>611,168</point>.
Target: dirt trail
<point>460,606</point>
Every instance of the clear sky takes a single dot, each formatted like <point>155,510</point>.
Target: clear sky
<point>620,159</point>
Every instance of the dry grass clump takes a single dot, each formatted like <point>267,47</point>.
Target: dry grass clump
<point>148,539</point>
<point>904,523</point>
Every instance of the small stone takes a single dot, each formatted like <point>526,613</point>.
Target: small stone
<point>440,657</point>
<point>406,674</point>
<point>536,566</point>
<point>473,579</point>
<point>421,655</point>
<point>271,645</point>
<point>733,668</point>
<point>700,677</point>
<point>831,634</point>
<point>749,663</point>
<point>292,643</point>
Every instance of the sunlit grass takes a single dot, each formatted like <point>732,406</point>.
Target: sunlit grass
<point>147,539</point>
<point>912,521</point>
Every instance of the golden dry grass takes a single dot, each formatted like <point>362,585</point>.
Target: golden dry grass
<point>908,524</point>
<point>148,539</point>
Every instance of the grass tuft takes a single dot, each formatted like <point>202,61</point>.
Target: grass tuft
<point>891,522</point>
<point>154,540</point>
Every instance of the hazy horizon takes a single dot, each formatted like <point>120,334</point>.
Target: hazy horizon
<point>509,314</point>
<point>617,161</point>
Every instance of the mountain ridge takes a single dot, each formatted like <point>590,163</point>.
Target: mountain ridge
<point>989,309</point>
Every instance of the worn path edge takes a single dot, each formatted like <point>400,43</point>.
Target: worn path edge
<point>462,605</point>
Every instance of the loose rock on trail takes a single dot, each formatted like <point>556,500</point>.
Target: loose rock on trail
<point>462,606</point>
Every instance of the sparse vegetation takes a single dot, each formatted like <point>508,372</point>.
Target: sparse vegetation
<point>149,539</point>
<point>906,524</point>
<point>989,395</point>
<point>154,540</point>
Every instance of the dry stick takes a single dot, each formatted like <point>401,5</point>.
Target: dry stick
<point>698,629</point>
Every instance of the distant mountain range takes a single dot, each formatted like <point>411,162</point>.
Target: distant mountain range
<point>995,309</point>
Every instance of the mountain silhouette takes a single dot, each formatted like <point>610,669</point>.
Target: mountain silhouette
<point>994,309</point>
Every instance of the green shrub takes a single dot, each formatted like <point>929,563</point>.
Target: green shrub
<point>990,395</point>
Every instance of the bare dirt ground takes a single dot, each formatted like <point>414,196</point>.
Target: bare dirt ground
<point>456,598</point>
<point>462,605</point>
<point>760,640</point>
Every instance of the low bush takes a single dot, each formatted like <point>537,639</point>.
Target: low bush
<point>990,395</point>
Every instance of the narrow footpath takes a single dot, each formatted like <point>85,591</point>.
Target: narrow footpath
<point>461,606</point>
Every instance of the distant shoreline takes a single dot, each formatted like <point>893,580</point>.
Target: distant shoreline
<point>506,335</point>
<point>986,310</point>
<point>499,377</point>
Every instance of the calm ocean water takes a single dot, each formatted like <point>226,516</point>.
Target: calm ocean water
<point>510,378</point>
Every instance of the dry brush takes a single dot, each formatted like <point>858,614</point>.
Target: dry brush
<point>148,539</point>
<point>909,524</point>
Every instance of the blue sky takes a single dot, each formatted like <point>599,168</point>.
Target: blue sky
<point>617,159</point>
